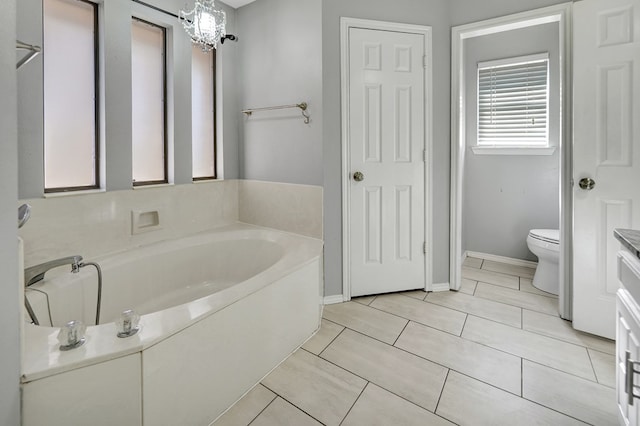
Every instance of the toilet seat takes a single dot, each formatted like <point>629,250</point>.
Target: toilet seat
<point>551,236</point>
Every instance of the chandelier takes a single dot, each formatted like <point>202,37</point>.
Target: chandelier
<point>205,25</point>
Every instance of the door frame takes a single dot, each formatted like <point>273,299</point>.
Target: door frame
<point>562,15</point>
<point>346,24</point>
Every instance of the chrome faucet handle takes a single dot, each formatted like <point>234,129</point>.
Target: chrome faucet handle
<point>71,335</point>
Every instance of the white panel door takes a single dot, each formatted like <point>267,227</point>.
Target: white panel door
<point>387,140</point>
<point>606,127</point>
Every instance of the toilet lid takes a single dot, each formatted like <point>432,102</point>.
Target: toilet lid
<point>547,235</point>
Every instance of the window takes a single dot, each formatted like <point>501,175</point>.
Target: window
<point>513,102</point>
<point>71,129</point>
<point>148,81</point>
<point>203,66</point>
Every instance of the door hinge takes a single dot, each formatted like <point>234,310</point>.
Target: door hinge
<point>424,247</point>
<point>424,155</point>
<point>424,61</point>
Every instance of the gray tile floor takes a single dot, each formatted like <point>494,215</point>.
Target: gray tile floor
<point>495,353</point>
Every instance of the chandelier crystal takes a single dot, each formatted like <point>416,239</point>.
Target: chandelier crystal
<point>205,25</point>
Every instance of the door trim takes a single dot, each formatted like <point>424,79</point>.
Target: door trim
<point>345,24</point>
<point>562,15</point>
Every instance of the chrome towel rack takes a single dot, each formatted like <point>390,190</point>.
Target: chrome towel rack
<point>301,105</point>
<point>33,51</point>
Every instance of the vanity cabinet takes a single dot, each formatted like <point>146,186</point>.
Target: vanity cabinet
<point>628,329</point>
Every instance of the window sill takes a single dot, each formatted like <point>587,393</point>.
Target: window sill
<point>491,150</point>
<point>153,185</point>
<point>72,193</point>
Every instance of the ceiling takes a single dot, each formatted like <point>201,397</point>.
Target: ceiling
<point>237,3</point>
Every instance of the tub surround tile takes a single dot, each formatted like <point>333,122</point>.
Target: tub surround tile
<point>605,367</point>
<point>98,223</point>
<point>479,361</point>
<point>506,268</point>
<point>553,326</point>
<point>579,398</point>
<point>505,314</point>
<point>533,302</point>
<point>282,413</point>
<point>535,347</point>
<point>328,331</point>
<point>316,386</point>
<point>288,207</point>
<point>467,401</point>
<point>495,278</point>
<point>372,322</point>
<point>435,316</point>
<point>472,262</point>
<point>377,406</point>
<point>406,375</point>
<point>468,286</point>
<point>526,285</point>
<point>248,408</point>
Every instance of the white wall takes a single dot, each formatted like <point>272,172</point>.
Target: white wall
<point>280,63</point>
<point>504,196</point>
<point>116,75</point>
<point>9,284</point>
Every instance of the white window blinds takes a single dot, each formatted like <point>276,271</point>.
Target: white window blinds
<point>513,102</point>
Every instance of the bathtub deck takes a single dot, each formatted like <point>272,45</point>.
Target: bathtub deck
<point>494,353</point>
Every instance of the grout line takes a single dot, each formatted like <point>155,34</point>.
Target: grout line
<point>446,377</point>
<point>285,399</point>
<point>329,344</point>
<point>403,328</point>
<point>464,325</point>
<point>354,402</point>
<point>275,396</point>
<point>521,377</point>
<point>593,368</point>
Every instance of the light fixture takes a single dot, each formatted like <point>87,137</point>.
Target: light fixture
<point>206,25</point>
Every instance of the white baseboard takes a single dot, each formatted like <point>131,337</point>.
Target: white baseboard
<point>502,259</point>
<point>435,287</point>
<point>332,300</point>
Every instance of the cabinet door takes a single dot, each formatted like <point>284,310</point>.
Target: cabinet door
<point>627,340</point>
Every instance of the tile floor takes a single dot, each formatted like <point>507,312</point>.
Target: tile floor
<point>495,353</point>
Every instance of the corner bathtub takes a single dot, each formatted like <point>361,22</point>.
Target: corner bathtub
<point>219,310</point>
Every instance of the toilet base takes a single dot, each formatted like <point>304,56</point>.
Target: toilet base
<point>546,277</point>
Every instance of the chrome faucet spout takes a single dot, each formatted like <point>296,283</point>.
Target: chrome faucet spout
<point>36,273</point>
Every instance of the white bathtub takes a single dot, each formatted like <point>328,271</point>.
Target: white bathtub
<point>218,310</point>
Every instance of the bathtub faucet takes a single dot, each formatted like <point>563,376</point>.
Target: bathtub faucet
<point>33,274</point>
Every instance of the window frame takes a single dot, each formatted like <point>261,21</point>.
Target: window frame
<point>165,135</point>
<point>215,124</point>
<point>97,111</point>
<point>507,148</point>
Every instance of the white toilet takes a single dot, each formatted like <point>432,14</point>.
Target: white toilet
<point>545,243</point>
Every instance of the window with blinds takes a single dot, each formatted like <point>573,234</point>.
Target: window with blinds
<point>513,102</point>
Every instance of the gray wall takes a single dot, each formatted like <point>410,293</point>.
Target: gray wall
<point>9,285</point>
<point>504,196</point>
<point>116,76</point>
<point>280,63</point>
<point>434,13</point>
<point>467,11</point>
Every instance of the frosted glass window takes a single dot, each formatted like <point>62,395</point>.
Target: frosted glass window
<point>203,113</point>
<point>513,102</point>
<point>70,95</point>
<point>148,102</point>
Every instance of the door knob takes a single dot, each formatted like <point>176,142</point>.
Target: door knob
<point>358,176</point>
<point>587,184</point>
